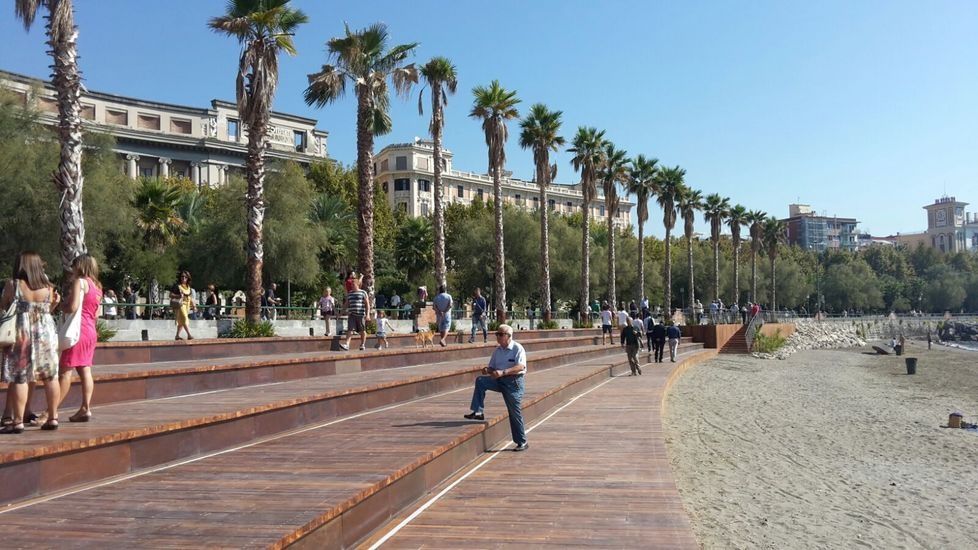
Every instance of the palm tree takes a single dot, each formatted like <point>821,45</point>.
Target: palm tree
<point>495,105</point>
<point>736,218</point>
<point>669,187</point>
<point>541,133</point>
<point>264,28</point>
<point>363,59</point>
<point>641,181</point>
<point>715,211</point>
<point>689,203</point>
<point>440,75</point>
<point>588,149</point>
<point>773,235</point>
<point>332,215</point>
<point>413,247</point>
<point>158,204</point>
<point>69,180</point>
<point>756,220</point>
<point>613,172</point>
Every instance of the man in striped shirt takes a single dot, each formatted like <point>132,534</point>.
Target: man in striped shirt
<point>357,308</point>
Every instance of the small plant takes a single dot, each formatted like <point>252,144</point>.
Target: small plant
<point>583,324</point>
<point>769,344</point>
<point>433,327</point>
<point>492,326</point>
<point>244,329</point>
<point>104,332</point>
<point>371,326</point>
<point>548,325</point>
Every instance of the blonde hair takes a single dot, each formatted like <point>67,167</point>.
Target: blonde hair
<point>86,266</point>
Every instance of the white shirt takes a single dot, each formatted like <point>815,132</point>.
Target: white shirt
<point>622,318</point>
<point>639,325</point>
<point>109,305</point>
<point>506,357</point>
<point>606,317</point>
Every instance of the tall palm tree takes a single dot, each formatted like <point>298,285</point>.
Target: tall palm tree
<point>641,180</point>
<point>588,149</point>
<point>715,211</point>
<point>440,75</point>
<point>540,131</point>
<point>669,186</point>
<point>363,59</point>
<point>495,105</point>
<point>689,203</point>
<point>736,218</point>
<point>773,236</point>
<point>264,28</point>
<point>613,172</point>
<point>69,180</point>
<point>756,220</point>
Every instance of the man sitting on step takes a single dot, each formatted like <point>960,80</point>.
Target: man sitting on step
<point>504,374</point>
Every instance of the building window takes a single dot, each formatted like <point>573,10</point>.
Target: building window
<point>88,112</point>
<point>47,104</point>
<point>570,206</point>
<point>147,172</point>
<point>536,202</point>
<point>233,129</point>
<point>424,209</point>
<point>375,168</point>
<point>400,163</point>
<point>601,210</point>
<point>403,184</point>
<point>384,186</point>
<point>120,118</point>
<point>460,191</point>
<point>551,204</point>
<point>384,165</point>
<point>179,126</point>
<point>299,139</point>
<point>179,173</point>
<point>148,122</point>
<point>481,194</point>
<point>424,185</point>
<point>423,163</point>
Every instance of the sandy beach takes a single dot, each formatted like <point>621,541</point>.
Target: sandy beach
<point>828,449</point>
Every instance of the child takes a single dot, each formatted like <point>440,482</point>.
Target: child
<point>383,325</point>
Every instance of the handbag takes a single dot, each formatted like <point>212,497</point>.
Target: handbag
<point>70,331</point>
<point>8,322</point>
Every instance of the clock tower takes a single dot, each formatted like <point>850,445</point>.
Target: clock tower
<point>945,224</point>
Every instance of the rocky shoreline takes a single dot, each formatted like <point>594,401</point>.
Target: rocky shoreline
<point>811,335</point>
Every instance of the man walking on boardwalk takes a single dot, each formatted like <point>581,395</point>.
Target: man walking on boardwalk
<point>479,316</point>
<point>673,334</point>
<point>443,313</point>
<point>658,341</point>
<point>504,374</point>
<point>630,338</point>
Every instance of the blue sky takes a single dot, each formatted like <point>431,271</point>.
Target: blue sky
<point>866,109</point>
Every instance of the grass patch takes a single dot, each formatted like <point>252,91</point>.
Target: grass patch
<point>769,344</point>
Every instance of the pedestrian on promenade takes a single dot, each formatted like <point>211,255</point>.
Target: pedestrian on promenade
<point>383,326</point>
<point>83,299</point>
<point>606,324</point>
<point>212,302</point>
<point>673,334</point>
<point>734,312</point>
<point>181,301</point>
<point>639,326</point>
<point>697,312</point>
<point>271,300</point>
<point>34,353</point>
<point>357,309</point>
<point>743,314</point>
<point>110,311</point>
<point>622,317</point>
<point>649,323</point>
<point>443,313</point>
<point>479,316</point>
<point>632,309</point>
<point>327,307</point>
<point>395,304</point>
<point>630,339</point>
<point>658,341</point>
<point>504,374</point>
<point>645,303</point>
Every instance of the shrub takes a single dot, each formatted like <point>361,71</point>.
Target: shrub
<point>433,327</point>
<point>104,332</point>
<point>371,326</point>
<point>548,325</point>
<point>583,324</point>
<point>769,344</point>
<point>492,326</point>
<point>244,329</point>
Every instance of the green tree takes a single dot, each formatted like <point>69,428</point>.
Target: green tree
<point>736,218</point>
<point>414,246</point>
<point>364,59</point>
<point>291,236</point>
<point>756,220</point>
<point>688,203</point>
<point>944,289</point>
<point>669,187</point>
<point>641,179</point>
<point>773,237</point>
<point>495,105</point>
<point>852,285</point>
<point>588,150</point>
<point>715,212</point>
<point>264,28</point>
<point>613,172</point>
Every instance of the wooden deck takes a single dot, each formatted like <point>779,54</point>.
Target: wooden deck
<point>596,474</point>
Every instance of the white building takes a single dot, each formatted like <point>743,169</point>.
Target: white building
<point>405,172</point>
<point>156,139</point>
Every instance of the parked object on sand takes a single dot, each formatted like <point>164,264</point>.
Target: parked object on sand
<point>880,350</point>
<point>911,365</point>
<point>954,421</point>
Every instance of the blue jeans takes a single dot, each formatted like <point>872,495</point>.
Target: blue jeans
<point>512,389</point>
<point>479,323</point>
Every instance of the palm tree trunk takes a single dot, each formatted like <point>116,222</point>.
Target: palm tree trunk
<point>689,264</point>
<point>365,193</point>
<point>585,260</point>
<point>641,261</point>
<point>543,176</point>
<point>68,180</point>
<point>500,274</point>
<point>255,201</point>
<point>774,303</point>
<point>668,274</point>
<point>736,259</point>
<point>612,291</point>
<point>753,274</point>
<point>716,269</point>
<point>437,113</point>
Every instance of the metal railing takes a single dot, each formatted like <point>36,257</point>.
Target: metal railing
<point>752,329</point>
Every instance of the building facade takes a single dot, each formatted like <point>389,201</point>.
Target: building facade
<point>810,231</point>
<point>950,228</point>
<point>405,171</point>
<point>156,139</point>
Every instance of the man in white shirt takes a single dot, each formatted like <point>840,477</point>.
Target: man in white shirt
<point>606,323</point>
<point>504,374</point>
<point>623,319</point>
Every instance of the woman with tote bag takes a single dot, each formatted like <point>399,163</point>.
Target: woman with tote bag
<point>80,335</point>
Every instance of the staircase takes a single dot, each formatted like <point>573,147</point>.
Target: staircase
<point>737,343</point>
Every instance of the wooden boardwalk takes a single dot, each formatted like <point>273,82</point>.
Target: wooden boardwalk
<point>596,474</point>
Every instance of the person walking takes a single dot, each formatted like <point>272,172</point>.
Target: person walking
<point>110,311</point>
<point>639,326</point>
<point>479,316</point>
<point>622,317</point>
<point>649,323</point>
<point>673,334</point>
<point>271,301</point>
<point>698,312</point>
<point>83,299</point>
<point>182,302</point>
<point>395,304</point>
<point>357,309</point>
<point>630,339</point>
<point>606,324</point>
<point>383,326</point>
<point>327,307</point>
<point>658,341</point>
<point>504,374</point>
<point>34,353</point>
<point>212,303</point>
<point>443,313</point>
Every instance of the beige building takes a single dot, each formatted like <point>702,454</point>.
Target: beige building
<point>156,139</point>
<point>405,172</point>
<point>950,228</point>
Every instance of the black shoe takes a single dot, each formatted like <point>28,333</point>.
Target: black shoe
<point>475,416</point>
<point>521,447</point>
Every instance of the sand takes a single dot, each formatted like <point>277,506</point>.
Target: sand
<point>828,449</point>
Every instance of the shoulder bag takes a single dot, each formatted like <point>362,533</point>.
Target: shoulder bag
<point>8,321</point>
<point>70,331</point>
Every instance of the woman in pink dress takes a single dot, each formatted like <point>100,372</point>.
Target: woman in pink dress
<point>85,293</point>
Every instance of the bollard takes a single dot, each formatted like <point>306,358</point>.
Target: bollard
<point>911,365</point>
<point>311,331</point>
<point>144,335</point>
